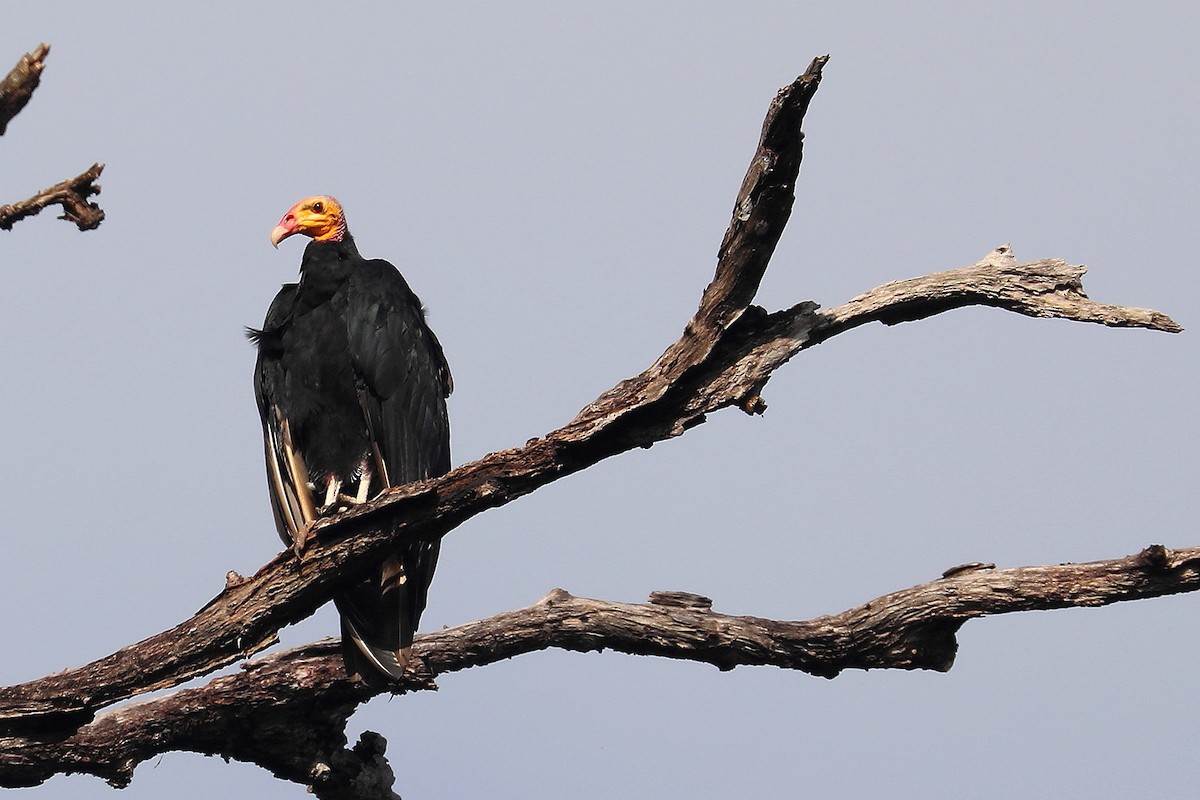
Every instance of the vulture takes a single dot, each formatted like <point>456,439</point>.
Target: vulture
<point>351,385</point>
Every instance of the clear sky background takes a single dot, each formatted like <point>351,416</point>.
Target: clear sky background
<point>554,180</point>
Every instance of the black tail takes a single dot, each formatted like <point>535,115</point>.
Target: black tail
<point>380,615</point>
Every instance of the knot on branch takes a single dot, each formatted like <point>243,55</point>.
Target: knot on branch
<point>555,597</point>
<point>1156,558</point>
<point>1159,559</point>
<point>933,645</point>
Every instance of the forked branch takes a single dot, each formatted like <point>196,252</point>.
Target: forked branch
<point>72,194</point>
<point>305,689</point>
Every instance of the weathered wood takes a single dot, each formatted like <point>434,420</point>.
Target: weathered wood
<point>760,213</point>
<point>18,86</point>
<point>301,697</point>
<point>286,714</point>
<point>72,194</point>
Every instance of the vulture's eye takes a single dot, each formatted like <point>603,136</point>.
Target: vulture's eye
<point>318,206</point>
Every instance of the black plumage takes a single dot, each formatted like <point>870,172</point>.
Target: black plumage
<point>351,385</point>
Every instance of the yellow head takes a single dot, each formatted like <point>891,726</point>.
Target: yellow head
<point>319,217</point>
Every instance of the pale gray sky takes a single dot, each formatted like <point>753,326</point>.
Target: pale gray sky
<point>554,180</point>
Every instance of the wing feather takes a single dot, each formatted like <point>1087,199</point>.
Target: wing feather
<point>404,383</point>
<point>287,479</point>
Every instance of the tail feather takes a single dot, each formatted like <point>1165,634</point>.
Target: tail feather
<point>368,662</point>
<point>380,615</point>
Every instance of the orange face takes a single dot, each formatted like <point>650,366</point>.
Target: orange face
<point>319,217</point>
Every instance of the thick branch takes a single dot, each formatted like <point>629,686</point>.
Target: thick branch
<point>760,212</point>
<point>287,714</point>
<point>17,87</point>
<point>71,194</point>
<point>1051,288</point>
<point>910,629</point>
<point>283,711</point>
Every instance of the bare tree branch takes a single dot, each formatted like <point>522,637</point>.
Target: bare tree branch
<point>726,355</point>
<point>72,194</point>
<point>288,712</point>
<point>17,87</point>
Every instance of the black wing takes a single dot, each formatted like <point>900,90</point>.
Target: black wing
<point>405,376</point>
<point>404,383</point>
<point>289,496</point>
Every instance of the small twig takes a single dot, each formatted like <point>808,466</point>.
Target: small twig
<point>17,87</point>
<point>71,194</point>
<point>15,91</point>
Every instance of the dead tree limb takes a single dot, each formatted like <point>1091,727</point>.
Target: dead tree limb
<point>18,86</point>
<point>287,712</point>
<point>725,356</point>
<point>73,193</point>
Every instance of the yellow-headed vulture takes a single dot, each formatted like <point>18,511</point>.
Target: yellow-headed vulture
<point>352,385</point>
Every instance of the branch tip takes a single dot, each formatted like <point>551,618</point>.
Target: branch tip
<point>18,86</point>
<point>71,194</point>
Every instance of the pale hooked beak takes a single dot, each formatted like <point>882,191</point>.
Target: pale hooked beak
<point>286,227</point>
